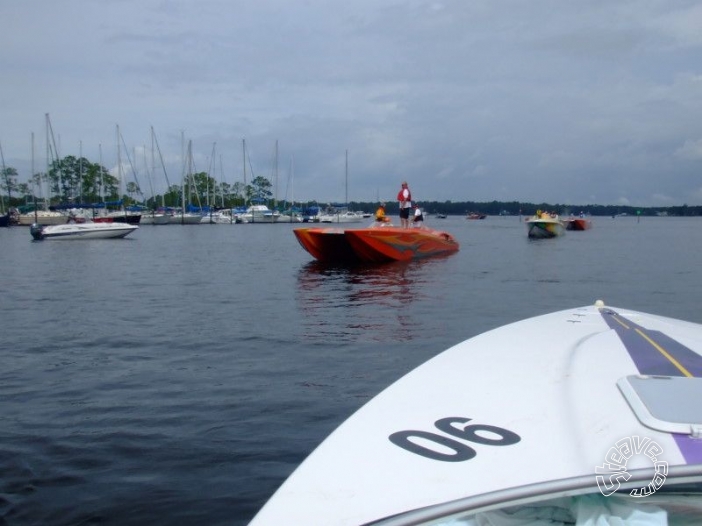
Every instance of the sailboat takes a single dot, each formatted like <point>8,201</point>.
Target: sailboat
<point>155,217</point>
<point>257,211</point>
<point>5,217</point>
<point>183,217</point>
<point>340,213</point>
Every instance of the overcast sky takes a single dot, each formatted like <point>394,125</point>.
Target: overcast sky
<point>573,102</point>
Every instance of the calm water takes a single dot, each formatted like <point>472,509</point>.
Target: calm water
<point>179,375</point>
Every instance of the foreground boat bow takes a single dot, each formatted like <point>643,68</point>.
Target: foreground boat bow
<point>518,422</point>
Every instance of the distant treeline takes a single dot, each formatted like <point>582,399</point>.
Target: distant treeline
<point>516,208</point>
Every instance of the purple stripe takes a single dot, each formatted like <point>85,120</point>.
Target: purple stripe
<point>650,361</point>
<point>691,448</point>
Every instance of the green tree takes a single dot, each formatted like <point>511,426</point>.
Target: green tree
<point>238,193</point>
<point>133,190</point>
<point>204,187</point>
<point>260,188</point>
<point>9,181</point>
<point>79,180</point>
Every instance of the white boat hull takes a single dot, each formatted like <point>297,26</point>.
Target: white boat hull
<point>82,231</point>
<point>185,219</point>
<point>526,409</point>
<point>155,219</point>
<point>43,218</point>
<point>346,217</point>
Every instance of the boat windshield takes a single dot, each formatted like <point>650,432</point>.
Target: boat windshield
<point>677,503</point>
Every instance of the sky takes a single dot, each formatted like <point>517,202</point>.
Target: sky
<point>587,102</point>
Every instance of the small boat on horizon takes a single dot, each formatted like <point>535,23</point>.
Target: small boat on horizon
<point>578,223</point>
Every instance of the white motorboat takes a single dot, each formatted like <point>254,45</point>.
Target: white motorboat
<point>258,214</point>
<point>220,217</point>
<point>87,230</point>
<point>341,216</point>
<point>589,415</point>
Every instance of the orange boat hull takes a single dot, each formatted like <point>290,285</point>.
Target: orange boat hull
<point>377,245</point>
<point>578,224</point>
<point>329,245</point>
<point>374,245</point>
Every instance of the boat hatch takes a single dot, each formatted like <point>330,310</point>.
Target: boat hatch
<point>665,403</point>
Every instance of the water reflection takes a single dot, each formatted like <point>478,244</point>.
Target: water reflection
<point>365,302</point>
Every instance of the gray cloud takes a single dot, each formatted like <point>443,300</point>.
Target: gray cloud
<point>582,102</point>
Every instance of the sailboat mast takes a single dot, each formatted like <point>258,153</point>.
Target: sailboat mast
<point>119,167</point>
<point>102,175</point>
<point>243,146</point>
<point>275,199</point>
<point>347,178</point>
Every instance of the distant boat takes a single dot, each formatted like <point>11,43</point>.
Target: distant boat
<point>43,217</point>
<point>544,225</point>
<point>185,218</point>
<point>258,214</point>
<point>340,215</point>
<point>440,216</point>
<point>578,223</point>
<point>220,217</point>
<point>86,230</point>
<point>475,215</point>
<point>154,218</point>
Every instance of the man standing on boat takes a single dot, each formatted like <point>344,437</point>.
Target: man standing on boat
<point>404,196</point>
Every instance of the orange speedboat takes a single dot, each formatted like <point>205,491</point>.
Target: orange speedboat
<point>376,244</point>
<point>578,223</point>
<point>328,245</point>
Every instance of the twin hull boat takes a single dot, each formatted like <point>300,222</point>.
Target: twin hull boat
<point>374,244</point>
<point>590,415</point>
<point>82,231</point>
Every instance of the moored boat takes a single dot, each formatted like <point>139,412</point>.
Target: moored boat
<point>43,217</point>
<point>155,218</point>
<point>258,214</point>
<point>341,215</point>
<point>475,215</point>
<point>85,230</point>
<point>583,416</point>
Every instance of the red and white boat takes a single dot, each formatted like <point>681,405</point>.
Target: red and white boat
<point>578,223</point>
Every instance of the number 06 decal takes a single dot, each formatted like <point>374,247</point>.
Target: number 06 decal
<point>439,447</point>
